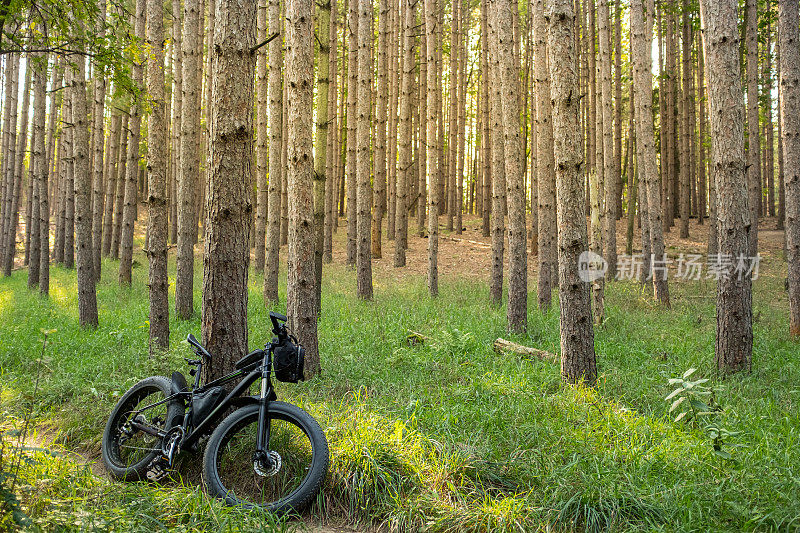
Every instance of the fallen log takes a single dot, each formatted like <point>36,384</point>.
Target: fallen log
<point>503,345</point>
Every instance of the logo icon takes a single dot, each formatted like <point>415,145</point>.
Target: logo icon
<point>591,266</point>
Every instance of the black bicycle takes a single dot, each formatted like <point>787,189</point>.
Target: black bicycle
<point>266,453</point>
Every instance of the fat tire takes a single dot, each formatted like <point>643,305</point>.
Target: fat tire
<point>299,498</point>
<point>138,470</point>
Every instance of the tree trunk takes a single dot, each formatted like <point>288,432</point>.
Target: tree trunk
<point>432,163</point>
<point>227,251</point>
<point>685,165</point>
<point>12,219</point>
<point>7,175</point>
<point>87,298</point>
<point>618,162</point>
<point>121,173</point>
<point>545,171</point>
<point>405,174</point>
<point>452,143</point>
<point>486,153</point>
<point>189,160</point>
<point>332,150</point>
<point>645,143</point>
<point>701,145</point>
<point>384,18</point>
<point>132,165</point>
<point>609,167</point>
<point>275,95</point>
<point>422,152</point>
<point>517,309</point>
<point>262,159</point>
<point>300,303</point>
<point>157,206</point>
<point>498,163</point>
<point>577,336</point>
<point>364,192</point>
<point>596,192</point>
<point>734,310</point>
<point>789,86</point>
<point>769,184</point>
<point>39,265</point>
<point>320,151</point>
<point>98,140</point>
<point>781,213</point>
<point>352,100</point>
<point>112,158</point>
<point>753,130</point>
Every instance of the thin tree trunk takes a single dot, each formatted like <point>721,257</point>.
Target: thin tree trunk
<point>452,143</point>
<point>422,152</point>
<point>789,86</point>
<point>645,141</point>
<point>432,163</point>
<point>545,170</point>
<point>734,310</point>
<point>275,164</point>
<point>364,193</point>
<point>753,129</point>
<point>262,160</point>
<point>87,298</point>
<point>352,100</point>
<point>332,151</point>
<point>98,141</point>
<point>498,162</point>
<point>485,136</point>
<point>119,202</point>
<point>320,151</point>
<point>384,18</point>
<point>769,184</point>
<point>132,165</point>
<point>701,145</point>
<point>112,159</point>
<point>16,180</point>
<point>577,336</point>
<point>609,167</point>
<point>405,173</point>
<point>685,165</point>
<point>781,179</point>
<point>157,205</point>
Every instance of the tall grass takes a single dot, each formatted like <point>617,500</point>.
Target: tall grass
<point>443,436</point>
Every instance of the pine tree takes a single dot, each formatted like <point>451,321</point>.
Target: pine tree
<point>276,168</point>
<point>577,336</point>
<point>734,300</point>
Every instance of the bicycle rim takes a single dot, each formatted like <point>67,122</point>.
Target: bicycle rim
<point>131,446</point>
<point>247,480</point>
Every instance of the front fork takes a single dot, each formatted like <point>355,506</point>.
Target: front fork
<point>262,438</point>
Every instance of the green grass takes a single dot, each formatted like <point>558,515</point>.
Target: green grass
<point>447,436</point>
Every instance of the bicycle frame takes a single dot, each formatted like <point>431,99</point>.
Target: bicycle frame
<point>251,373</point>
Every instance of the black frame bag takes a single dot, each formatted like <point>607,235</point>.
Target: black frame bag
<point>287,360</point>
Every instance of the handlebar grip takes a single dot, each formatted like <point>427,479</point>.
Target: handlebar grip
<point>275,318</point>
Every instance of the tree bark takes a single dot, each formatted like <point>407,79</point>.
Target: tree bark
<point>577,336</point>
<point>332,148</point>
<point>517,308</point>
<point>422,152</point>
<point>364,192</point>
<point>545,171</point>
<point>645,139</point>
<point>753,129</point>
<point>432,163</point>
<point>275,95</point>
<point>157,206</point>
<point>382,112</point>
<point>320,152</point>
<point>498,162</point>
<point>132,165</point>
<point>685,165</point>
<point>486,153</point>
<point>87,298</point>
<point>112,159</point>
<point>609,167</point>
<point>405,173</point>
<point>227,252</point>
<point>299,77</point>
<point>789,87</point>
<point>12,219</point>
<point>352,100</point>
<point>734,310</point>
<point>98,141</point>
<point>189,160</point>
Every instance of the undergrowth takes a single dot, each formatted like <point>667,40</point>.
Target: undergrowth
<point>446,435</point>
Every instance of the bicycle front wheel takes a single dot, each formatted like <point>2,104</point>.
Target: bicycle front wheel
<point>286,478</point>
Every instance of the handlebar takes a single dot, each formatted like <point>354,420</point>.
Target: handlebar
<point>278,329</point>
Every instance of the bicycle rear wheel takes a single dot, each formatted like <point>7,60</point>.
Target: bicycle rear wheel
<point>127,452</point>
<point>291,475</point>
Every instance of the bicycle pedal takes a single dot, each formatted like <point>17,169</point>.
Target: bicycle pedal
<point>157,470</point>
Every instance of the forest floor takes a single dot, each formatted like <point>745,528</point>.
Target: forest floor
<point>443,436</point>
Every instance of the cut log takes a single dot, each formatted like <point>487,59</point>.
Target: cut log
<point>502,345</point>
